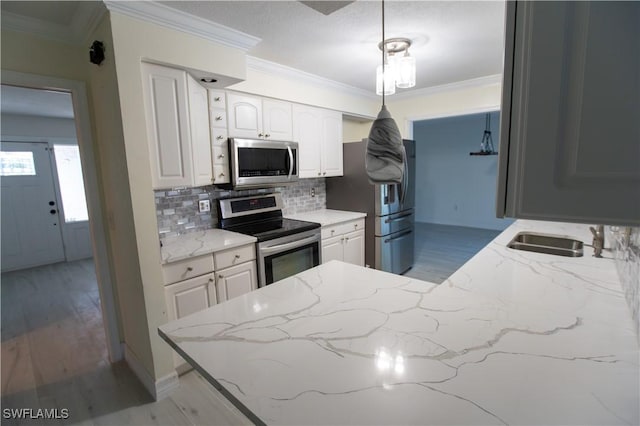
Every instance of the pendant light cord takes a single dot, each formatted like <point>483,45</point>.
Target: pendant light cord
<point>384,47</point>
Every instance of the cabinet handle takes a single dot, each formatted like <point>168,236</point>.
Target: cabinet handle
<point>220,138</point>
<point>218,118</point>
<point>221,156</point>
<point>189,269</point>
<point>221,175</point>
<point>217,99</point>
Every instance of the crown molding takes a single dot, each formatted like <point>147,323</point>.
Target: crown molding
<point>160,14</point>
<point>263,65</point>
<point>449,87</point>
<point>84,22</point>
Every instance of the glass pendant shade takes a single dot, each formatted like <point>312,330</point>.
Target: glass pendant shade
<point>405,69</point>
<point>389,80</point>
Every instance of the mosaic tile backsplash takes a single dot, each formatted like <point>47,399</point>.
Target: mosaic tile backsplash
<point>625,244</point>
<point>177,210</point>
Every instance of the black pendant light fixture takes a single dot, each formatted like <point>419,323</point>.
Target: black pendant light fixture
<point>486,146</point>
<point>385,156</point>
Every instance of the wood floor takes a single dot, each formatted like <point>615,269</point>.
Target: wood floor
<point>54,349</point>
<point>54,356</point>
<point>442,249</point>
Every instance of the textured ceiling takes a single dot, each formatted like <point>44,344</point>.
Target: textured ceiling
<point>453,41</point>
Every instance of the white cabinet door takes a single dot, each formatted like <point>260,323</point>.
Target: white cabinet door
<point>332,249</point>
<point>332,143</point>
<point>189,296</point>
<point>244,116</point>
<point>200,136</point>
<point>277,120</point>
<point>354,248</point>
<point>236,281</point>
<point>307,131</point>
<point>570,134</point>
<point>165,100</point>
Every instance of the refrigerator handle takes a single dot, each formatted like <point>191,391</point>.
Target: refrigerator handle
<point>391,191</point>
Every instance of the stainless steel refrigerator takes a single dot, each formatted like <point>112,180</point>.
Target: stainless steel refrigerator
<point>389,226</point>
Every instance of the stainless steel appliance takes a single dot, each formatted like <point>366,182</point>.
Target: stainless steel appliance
<point>389,225</point>
<point>285,246</point>
<point>258,163</point>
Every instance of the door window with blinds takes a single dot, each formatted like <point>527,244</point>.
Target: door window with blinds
<point>74,202</point>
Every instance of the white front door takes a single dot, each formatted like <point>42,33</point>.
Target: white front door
<point>30,221</point>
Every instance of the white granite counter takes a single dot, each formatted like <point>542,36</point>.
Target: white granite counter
<point>200,243</point>
<point>327,217</point>
<point>513,337</point>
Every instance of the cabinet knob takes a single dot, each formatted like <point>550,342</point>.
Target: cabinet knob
<point>333,231</point>
<point>221,277</point>
<point>267,135</point>
<point>217,99</point>
<point>210,280</point>
<point>346,238</point>
<point>189,269</point>
<point>324,173</point>
<point>220,138</point>
<point>221,156</point>
<point>319,174</point>
<point>342,239</point>
<point>260,135</point>
<point>221,175</point>
<point>218,118</point>
<point>355,225</point>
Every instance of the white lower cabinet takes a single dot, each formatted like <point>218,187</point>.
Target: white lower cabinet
<point>191,285</point>
<point>236,281</point>
<point>344,242</point>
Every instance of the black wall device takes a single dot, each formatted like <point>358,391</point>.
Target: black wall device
<point>96,52</point>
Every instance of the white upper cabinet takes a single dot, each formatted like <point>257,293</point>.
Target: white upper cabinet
<point>244,115</point>
<point>319,135</point>
<point>257,118</point>
<point>307,131</point>
<point>276,118</point>
<point>570,123</point>
<point>165,98</point>
<point>200,136</point>
<point>176,111</point>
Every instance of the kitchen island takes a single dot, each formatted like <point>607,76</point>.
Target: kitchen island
<point>512,337</point>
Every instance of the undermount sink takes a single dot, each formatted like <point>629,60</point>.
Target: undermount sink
<point>545,243</point>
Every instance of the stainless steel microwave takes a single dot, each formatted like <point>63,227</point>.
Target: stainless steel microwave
<point>259,163</point>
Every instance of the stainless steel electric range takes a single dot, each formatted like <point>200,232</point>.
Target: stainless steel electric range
<point>284,247</point>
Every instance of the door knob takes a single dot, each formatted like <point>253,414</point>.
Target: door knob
<point>52,203</point>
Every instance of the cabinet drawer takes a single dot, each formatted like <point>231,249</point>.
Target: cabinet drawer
<point>220,173</point>
<point>219,136</point>
<point>218,117</point>
<point>188,268</point>
<point>220,154</point>
<point>217,99</point>
<point>235,256</point>
<point>342,228</point>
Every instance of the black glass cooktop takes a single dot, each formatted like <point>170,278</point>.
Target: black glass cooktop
<point>273,228</point>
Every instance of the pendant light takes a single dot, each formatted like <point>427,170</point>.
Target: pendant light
<point>486,146</point>
<point>384,159</point>
<point>401,65</point>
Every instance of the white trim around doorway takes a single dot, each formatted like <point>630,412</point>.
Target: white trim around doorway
<point>463,111</point>
<point>92,190</point>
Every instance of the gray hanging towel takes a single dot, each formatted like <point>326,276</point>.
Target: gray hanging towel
<point>384,160</point>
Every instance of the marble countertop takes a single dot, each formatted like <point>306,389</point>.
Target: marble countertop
<point>200,243</point>
<point>327,217</point>
<point>512,337</point>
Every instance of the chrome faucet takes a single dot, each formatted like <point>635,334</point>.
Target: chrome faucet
<point>598,240</point>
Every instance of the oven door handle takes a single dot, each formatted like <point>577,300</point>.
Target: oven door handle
<point>286,246</point>
<point>290,162</point>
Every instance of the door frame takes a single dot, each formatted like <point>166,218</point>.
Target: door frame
<point>97,224</point>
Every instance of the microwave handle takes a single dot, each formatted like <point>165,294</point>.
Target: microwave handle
<point>290,162</point>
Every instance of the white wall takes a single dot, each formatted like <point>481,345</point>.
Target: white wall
<point>454,188</point>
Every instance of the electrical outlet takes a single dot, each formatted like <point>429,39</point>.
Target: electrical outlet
<point>204,206</point>
<point>313,192</point>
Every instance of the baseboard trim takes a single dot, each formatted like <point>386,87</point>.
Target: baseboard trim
<point>158,389</point>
